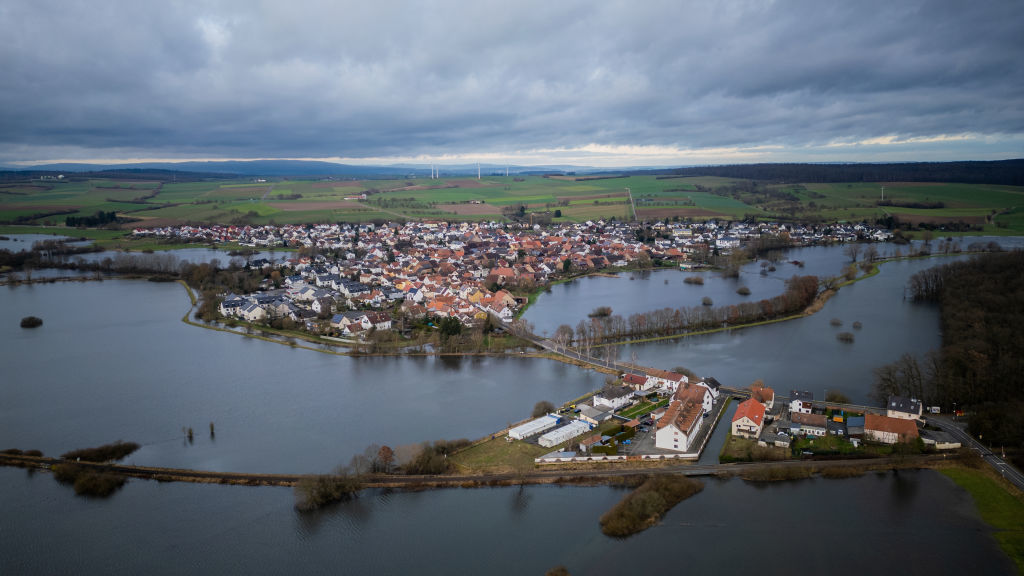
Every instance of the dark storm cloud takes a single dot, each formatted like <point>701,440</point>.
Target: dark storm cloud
<point>295,79</point>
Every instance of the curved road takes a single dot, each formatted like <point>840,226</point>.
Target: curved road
<point>1002,466</point>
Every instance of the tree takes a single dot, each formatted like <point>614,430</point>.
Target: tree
<point>543,407</point>
<point>836,397</point>
<point>558,213</point>
<point>386,457</point>
<point>853,251</point>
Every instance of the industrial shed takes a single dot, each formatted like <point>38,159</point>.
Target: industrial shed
<point>567,432</point>
<point>533,427</point>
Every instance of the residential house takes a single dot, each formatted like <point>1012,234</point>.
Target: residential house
<point>906,408</point>
<point>678,426</point>
<point>765,396</point>
<point>749,419</point>
<point>713,386</point>
<point>613,398</point>
<point>809,424</point>
<point>636,382</point>
<point>801,401</point>
<point>251,312</point>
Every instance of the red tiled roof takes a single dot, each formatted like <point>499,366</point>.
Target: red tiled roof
<point>634,379</point>
<point>903,428</point>
<point>751,409</point>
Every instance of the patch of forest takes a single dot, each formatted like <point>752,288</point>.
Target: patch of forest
<point>1008,172</point>
<point>982,358</point>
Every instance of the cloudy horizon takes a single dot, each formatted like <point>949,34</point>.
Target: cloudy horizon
<point>527,83</point>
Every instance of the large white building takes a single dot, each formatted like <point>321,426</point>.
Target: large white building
<point>679,424</point>
<point>533,427</point>
<point>567,432</point>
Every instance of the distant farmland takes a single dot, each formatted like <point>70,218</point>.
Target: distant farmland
<point>949,207</point>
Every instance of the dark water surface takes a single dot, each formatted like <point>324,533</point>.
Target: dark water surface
<point>114,361</point>
<point>911,522</point>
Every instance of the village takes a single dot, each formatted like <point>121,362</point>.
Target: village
<point>664,415</point>
<point>348,279</point>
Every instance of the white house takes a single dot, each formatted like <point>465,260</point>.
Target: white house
<point>613,398</point>
<point>677,427</point>
<point>712,385</point>
<point>906,408</point>
<point>800,401</point>
<point>252,313</point>
<point>670,381</point>
<point>748,419</point>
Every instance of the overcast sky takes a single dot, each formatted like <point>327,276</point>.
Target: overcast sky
<point>595,83</point>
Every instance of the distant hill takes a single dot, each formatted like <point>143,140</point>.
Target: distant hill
<point>1008,172</point>
<point>294,169</point>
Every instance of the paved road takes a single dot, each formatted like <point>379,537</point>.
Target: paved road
<point>1001,466</point>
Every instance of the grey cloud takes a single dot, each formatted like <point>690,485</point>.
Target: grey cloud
<point>386,78</point>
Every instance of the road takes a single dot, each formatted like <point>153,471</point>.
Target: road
<point>1003,467</point>
<point>397,481</point>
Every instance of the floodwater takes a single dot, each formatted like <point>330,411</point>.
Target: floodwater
<point>114,361</point>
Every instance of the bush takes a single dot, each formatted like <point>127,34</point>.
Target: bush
<point>743,291</point>
<point>314,492</point>
<point>87,482</point>
<point>845,337</point>
<point>835,322</point>
<point>857,325</point>
<point>105,453</point>
<point>611,450</point>
<point>777,474</point>
<point>642,508</point>
<point>31,322</point>
<point>541,408</point>
<point>706,301</point>
<point>697,280</point>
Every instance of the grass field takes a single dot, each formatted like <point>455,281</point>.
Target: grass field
<point>498,455</point>
<point>1000,509</point>
<point>993,209</point>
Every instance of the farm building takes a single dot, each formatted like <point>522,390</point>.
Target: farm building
<point>889,430</point>
<point>567,432</point>
<point>533,427</point>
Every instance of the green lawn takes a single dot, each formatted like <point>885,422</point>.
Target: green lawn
<point>498,455</point>
<point>1000,509</point>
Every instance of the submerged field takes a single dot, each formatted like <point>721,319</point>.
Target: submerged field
<point>949,207</point>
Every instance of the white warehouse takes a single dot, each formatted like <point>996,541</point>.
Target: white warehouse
<point>533,427</point>
<point>567,432</point>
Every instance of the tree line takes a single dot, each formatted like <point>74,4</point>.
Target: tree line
<point>979,365</point>
<point>799,294</point>
<point>1009,172</point>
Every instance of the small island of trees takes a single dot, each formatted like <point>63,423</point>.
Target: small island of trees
<point>31,322</point>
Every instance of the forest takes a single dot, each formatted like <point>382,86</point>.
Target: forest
<point>981,361</point>
<point>1007,172</point>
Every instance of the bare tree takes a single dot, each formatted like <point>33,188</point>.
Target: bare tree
<point>853,251</point>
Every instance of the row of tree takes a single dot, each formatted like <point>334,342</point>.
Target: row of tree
<point>980,363</point>
<point>799,294</point>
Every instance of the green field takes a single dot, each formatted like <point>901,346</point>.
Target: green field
<point>998,507</point>
<point>954,208</point>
